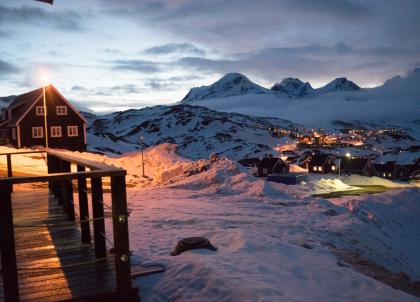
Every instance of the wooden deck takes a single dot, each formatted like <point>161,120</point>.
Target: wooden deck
<point>53,264</point>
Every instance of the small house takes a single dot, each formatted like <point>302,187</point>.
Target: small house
<point>322,163</point>
<point>385,170</point>
<point>361,166</point>
<point>271,165</point>
<point>23,121</point>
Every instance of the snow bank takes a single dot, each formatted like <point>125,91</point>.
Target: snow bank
<point>383,228</point>
<point>326,185</point>
<point>354,180</point>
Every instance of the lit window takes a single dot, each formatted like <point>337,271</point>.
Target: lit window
<point>333,168</point>
<point>37,132</point>
<point>61,110</point>
<point>320,169</point>
<point>384,174</point>
<point>72,131</point>
<point>315,168</point>
<point>39,110</point>
<point>55,131</point>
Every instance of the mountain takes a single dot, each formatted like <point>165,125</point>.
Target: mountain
<point>293,88</point>
<point>197,131</point>
<point>339,84</point>
<point>232,84</point>
<point>236,84</point>
<point>395,101</point>
<point>5,101</point>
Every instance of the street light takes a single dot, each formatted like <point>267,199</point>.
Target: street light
<point>44,79</point>
<point>142,156</point>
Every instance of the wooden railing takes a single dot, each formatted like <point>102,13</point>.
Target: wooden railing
<point>59,179</point>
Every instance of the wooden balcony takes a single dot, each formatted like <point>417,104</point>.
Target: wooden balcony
<point>50,251</point>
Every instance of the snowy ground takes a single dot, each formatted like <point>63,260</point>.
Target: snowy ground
<point>275,242</point>
<point>271,249</point>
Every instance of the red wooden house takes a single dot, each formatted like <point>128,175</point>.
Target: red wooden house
<point>22,122</point>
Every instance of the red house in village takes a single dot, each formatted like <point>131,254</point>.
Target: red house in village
<point>22,122</point>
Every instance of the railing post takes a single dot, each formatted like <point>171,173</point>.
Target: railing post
<point>67,192</point>
<point>98,216</point>
<point>7,245</point>
<point>83,206</point>
<point>9,168</point>
<point>9,165</point>
<point>121,238</point>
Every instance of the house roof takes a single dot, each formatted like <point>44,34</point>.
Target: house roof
<point>388,167</point>
<point>249,161</point>
<point>353,164</point>
<point>318,159</point>
<point>270,162</point>
<point>27,100</point>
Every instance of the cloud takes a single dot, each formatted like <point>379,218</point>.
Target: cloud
<point>61,20</point>
<point>137,65</point>
<point>7,68</point>
<point>175,48</point>
<point>311,63</point>
<point>108,91</point>
<point>169,84</point>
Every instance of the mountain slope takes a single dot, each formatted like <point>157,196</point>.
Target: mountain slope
<point>339,84</point>
<point>293,88</point>
<point>197,131</point>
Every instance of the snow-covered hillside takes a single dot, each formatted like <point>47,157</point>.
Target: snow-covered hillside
<point>197,131</point>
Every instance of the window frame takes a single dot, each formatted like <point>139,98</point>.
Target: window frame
<point>72,134</point>
<point>39,111</point>
<point>14,134</point>
<point>58,134</point>
<point>36,134</point>
<point>57,110</point>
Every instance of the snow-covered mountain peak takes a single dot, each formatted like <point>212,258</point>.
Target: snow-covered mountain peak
<point>293,87</point>
<point>339,84</point>
<point>232,84</point>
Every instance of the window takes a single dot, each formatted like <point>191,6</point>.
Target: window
<point>13,133</point>
<point>37,132</point>
<point>55,131</point>
<point>315,168</point>
<point>61,110</point>
<point>265,171</point>
<point>333,168</point>
<point>39,110</point>
<point>72,131</point>
<point>320,169</point>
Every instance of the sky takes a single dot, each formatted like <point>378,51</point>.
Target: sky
<point>112,55</point>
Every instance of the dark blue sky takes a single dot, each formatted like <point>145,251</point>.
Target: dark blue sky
<point>121,54</point>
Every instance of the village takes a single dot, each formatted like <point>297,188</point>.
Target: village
<point>349,151</point>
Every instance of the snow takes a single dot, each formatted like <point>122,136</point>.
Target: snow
<point>274,241</point>
<point>267,250</point>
